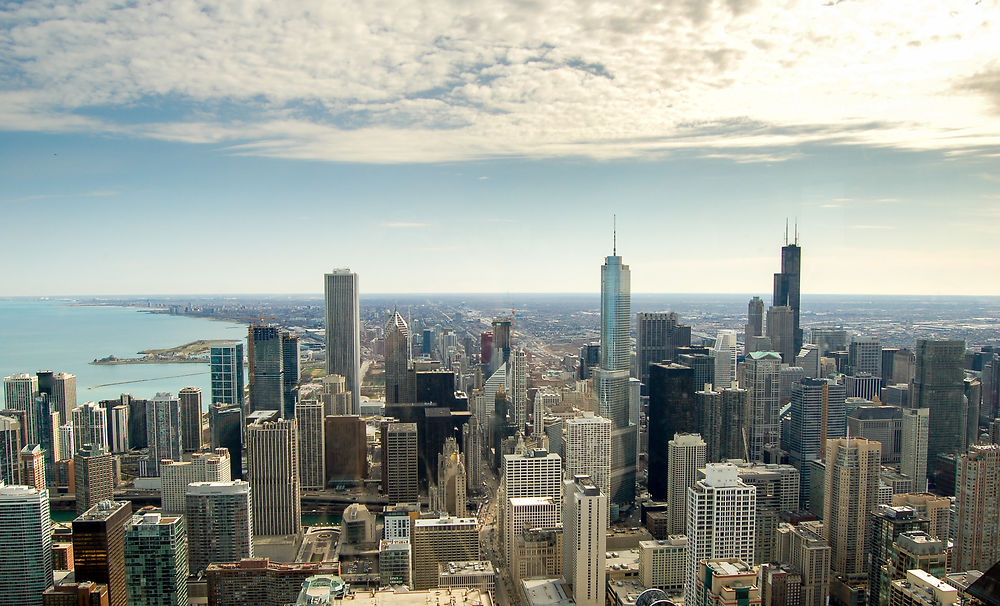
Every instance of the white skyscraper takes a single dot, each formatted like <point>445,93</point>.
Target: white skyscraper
<point>343,331</point>
<point>686,457</point>
<point>25,545</point>
<point>90,425</point>
<point>534,473</point>
<point>722,512</point>
<point>585,529</point>
<point>118,428</point>
<point>163,431</point>
<point>272,454</point>
<point>66,449</point>
<point>724,352</point>
<point>517,387</point>
<point>763,384</point>
<point>587,449</point>
<point>913,446</point>
<point>614,373</point>
<point>19,391</point>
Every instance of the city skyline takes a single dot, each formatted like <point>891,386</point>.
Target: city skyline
<point>715,120</point>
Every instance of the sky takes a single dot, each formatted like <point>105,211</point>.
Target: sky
<point>484,146</point>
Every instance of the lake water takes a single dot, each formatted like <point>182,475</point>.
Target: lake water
<point>58,336</point>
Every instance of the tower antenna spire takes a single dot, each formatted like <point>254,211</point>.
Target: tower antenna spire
<point>614,235</point>
<point>786,231</point>
<point>796,231</point>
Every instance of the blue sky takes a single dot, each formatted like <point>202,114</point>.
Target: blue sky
<point>190,147</point>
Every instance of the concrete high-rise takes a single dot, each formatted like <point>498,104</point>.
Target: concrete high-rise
<point>725,353</point>
<point>913,446</point>
<point>533,473</point>
<point>721,520</point>
<point>587,449</point>
<point>156,560</point>
<point>226,365</point>
<point>724,423</point>
<point>398,348</point>
<point>190,402</point>
<point>203,467</point>
<point>849,498</point>
<point>887,523</point>
<point>787,285</point>
<point>613,376</point>
<point>272,453</point>
<point>755,323</point>
<point>864,355</point>
<point>99,547</point>
<point>117,429</point>
<point>671,411</point>
<point>440,540</point>
<point>687,456</point>
<point>585,528</point>
<point>817,414</point>
<point>90,425</point>
<point>163,430</point>
<point>781,332</point>
<point>93,470</point>
<point>267,368</point>
<point>399,458</point>
<point>219,519</point>
<point>343,331</point>
<point>310,421</point>
<point>938,385</point>
<point>808,553</point>
<point>977,488</point>
<point>658,335</point>
<point>32,463</point>
<point>517,387</point>
<point>763,385</point>
<point>26,540</point>
<point>19,393</point>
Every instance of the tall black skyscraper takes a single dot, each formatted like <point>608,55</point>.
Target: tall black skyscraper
<point>786,283</point>
<point>671,410</point>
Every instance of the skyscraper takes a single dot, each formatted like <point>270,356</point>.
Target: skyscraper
<point>33,466</point>
<point>226,364</point>
<point>397,358</point>
<point>585,528</point>
<point>90,425</point>
<point>817,414</point>
<point>721,520</point>
<point>163,423</point>
<point>274,477</point>
<point>225,427</point>
<point>60,387</point>
<point>176,475</point>
<point>448,495</point>
<point>724,423</point>
<point>887,523</point>
<point>19,392</point>
<point>399,456</point>
<point>613,376</point>
<point>777,493</point>
<point>10,446</point>
<point>587,449</point>
<point>309,419</point>
<point>671,411</point>
<point>156,560</point>
<point>658,335</point>
<point>291,372</point>
<point>440,540</point>
<point>849,497</point>
<point>267,368</point>
<point>938,385</point>
<point>913,446</point>
<point>781,332</point>
<point>725,353</point>
<point>977,488</point>
<point>99,547</point>
<point>517,387</point>
<point>343,331</point>
<point>93,470</point>
<point>787,284</point>
<point>864,355</point>
<point>26,540</point>
<point>190,403</point>
<point>687,456</point>
<point>755,323</point>
<point>219,519</point>
<point>763,386</point>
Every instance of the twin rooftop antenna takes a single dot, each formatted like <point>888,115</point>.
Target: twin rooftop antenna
<point>614,235</point>
<point>796,231</point>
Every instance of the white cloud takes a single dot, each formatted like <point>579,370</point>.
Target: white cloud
<point>421,81</point>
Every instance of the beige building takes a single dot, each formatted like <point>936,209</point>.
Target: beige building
<point>724,582</point>
<point>977,490</point>
<point>203,467</point>
<point>441,540</point>
<point>804,548</point>
<point>936,509</point>
<point>661,563</point>
<point>850,495</point>
<point>477,574</point>
<point>921,589</point>
<point>585,529</point>
<point>309,419</point>
<point>686,456</point>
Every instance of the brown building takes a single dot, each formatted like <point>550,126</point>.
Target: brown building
<point>346,449</point>
<point>62,556</point>
<point>99,547</point>
<point>76,594</point>
<point>258,581</point>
